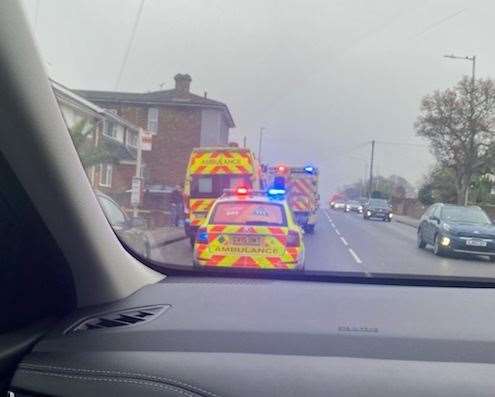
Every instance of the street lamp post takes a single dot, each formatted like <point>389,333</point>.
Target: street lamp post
<point>472,59</point>
<point>260,143</point>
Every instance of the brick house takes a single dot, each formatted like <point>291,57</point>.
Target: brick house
<point>102,128</point>
<point>180,121</point>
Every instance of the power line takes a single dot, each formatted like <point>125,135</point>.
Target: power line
<point>129,44</point>
<point>402,144</point>
<point>437,23</point>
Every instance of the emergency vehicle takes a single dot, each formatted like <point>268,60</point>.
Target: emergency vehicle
<point>250,229</point>
<point>302,191</point>
<point>211,170</point>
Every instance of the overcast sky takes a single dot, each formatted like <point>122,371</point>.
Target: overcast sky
<point>323,77</point>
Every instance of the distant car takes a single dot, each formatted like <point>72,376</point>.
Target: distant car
<point>457,229</point>
<point>339,204</point>
<point>353,206</point>
<point>378,208</point>
<point>131,230</point>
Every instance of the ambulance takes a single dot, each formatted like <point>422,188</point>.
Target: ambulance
<point>210,171</point>
<point>301,184</point>
<point>250,229</point>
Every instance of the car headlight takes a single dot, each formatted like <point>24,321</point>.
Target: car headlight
<point>445,241</point>
<point>368,213</point>
<point>360,208</point>
<point>390,215</point>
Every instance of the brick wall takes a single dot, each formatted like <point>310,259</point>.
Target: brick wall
<point>179,131</point>
<point>122,177</point>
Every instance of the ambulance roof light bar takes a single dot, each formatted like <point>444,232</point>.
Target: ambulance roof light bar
<point>276,192</point>
<point>242,191</point>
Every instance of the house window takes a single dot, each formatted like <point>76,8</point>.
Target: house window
<point>153,120</point>
<point>110,129</point>
<point>106,175</point>
<point>132,139</point>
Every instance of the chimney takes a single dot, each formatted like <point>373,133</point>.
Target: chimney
<point>182,83</point>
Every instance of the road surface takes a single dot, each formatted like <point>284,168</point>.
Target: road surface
<point>347,243</point>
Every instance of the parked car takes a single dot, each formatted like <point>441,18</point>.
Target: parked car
<point>457,229</point>
<point>132,231</point>
<point>378,208</point>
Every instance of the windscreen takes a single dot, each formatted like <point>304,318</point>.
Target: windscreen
<point>213,186</point>
<point>379,203</point>
<point>464,215</point>
<point>328,127</point>
<point>248,213</point>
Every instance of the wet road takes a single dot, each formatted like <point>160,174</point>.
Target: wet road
<point>346,242</point>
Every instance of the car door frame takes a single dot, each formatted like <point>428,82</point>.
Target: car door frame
<point>425,225</point>
<point>433,224</point>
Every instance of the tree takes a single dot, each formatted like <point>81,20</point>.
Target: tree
<point>383,187</point>
<point>480,190</point>
<point>425,194</point>
<point>438,186</point>
<point>89,153</point>
<point>459,124</point>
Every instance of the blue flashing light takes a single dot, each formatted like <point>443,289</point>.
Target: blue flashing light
<point>202,236</point>
<point>309,169</point>
<point>276,192</point>
<point>279,183</point>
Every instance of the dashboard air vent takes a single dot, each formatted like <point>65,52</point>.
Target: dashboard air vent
<point>123,318</point>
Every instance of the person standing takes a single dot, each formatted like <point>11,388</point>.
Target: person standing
<point>177,205</point>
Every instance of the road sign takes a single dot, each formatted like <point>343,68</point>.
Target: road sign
<point>146,139</point>
<point>136,191</point>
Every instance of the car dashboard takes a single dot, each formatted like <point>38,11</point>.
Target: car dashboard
<point>192,336</point>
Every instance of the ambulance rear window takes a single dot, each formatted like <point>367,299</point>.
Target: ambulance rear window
<point>212,186</point>
<point>249,213</point>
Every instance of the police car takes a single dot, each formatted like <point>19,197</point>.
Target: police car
<point>250,229</point>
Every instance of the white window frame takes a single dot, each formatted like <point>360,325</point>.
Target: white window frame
<point>128,139</point>
<point>113,133</point>
<point>153,120</point>
<point>107,170</point>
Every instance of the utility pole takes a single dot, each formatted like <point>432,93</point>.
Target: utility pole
<point>260,143</point>
<point>365,175</point>
<point>370,188</point>
<point>136,181</point>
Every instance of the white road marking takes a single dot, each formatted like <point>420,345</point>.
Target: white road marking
<point>330,220</point>
<point>354,255</point>
<point>356,258</point>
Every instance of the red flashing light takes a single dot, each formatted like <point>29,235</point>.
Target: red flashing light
<point>293,239</point>
<point>241,190</point>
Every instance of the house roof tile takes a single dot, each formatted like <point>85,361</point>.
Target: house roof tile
<point>163,97</point>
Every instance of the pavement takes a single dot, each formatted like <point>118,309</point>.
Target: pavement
<point>407,220</point>
<point>166,235</point>
<point>345,243</point>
